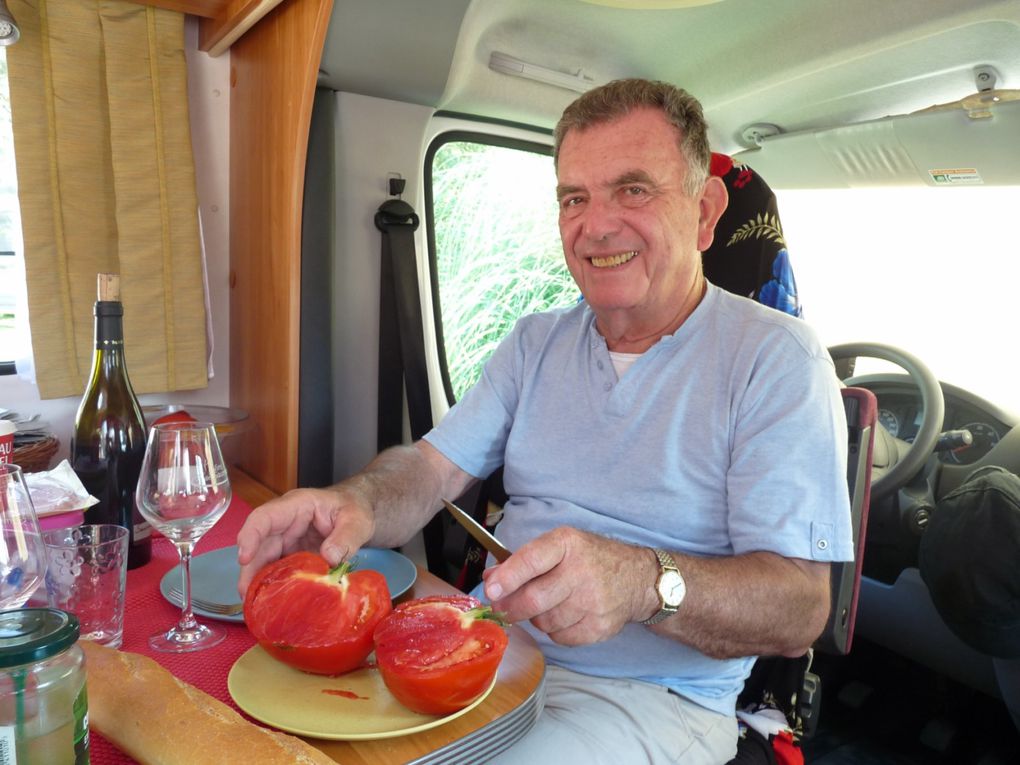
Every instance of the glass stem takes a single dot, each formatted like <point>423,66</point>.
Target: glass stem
<point>187,617</point>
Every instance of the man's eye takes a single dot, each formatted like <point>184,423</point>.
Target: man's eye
<point>567,202</point>
<point>634,191</point>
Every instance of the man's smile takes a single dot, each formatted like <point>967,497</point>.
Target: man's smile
<point>608,261</point>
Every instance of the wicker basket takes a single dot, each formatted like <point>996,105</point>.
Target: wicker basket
<point>35,457</point>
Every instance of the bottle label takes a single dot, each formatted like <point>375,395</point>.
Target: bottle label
<point>81,728</point>
<point>143,530</point>
<point>7,754</point>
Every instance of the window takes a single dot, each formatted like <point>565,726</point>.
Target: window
<point>11,274</point>
<point>933,271</point>
<point>495,245</point>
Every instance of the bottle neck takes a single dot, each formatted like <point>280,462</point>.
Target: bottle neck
<point>109,335</point>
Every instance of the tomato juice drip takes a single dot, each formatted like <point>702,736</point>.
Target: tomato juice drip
<point>343,693</point>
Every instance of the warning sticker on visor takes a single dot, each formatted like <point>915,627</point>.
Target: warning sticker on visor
<point>955,175</point>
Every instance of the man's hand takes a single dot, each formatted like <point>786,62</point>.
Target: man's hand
<point>577,587</point>
<point>334,522</point>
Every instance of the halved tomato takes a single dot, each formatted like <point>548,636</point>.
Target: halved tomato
<point>439,654</point>
<point>315,618</point>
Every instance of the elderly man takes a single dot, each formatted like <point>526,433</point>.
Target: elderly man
<point>674,457</point>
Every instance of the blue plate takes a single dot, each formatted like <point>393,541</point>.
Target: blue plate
<point>214,576</point>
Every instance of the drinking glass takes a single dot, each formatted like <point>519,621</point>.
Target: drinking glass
<point>22,553</point>
<point>183,490</point>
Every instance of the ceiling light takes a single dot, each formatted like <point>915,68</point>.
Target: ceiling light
<point>9,32</point>
<point>577,82</point>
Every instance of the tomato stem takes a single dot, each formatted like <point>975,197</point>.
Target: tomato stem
<point>342,569</point>
<point>486,613</point>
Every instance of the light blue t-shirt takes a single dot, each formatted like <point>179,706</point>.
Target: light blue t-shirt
<point>726,437</point>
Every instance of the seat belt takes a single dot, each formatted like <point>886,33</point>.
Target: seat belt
<point>402,347</point>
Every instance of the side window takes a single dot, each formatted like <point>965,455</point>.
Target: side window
<point>494,244</point>
<point>11,277</point>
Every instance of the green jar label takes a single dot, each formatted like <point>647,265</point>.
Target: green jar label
<point>81,728</point>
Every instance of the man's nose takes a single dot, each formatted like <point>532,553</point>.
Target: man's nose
<point>601,220</point>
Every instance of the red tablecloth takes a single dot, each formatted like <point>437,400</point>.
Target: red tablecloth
<point>147,611</point>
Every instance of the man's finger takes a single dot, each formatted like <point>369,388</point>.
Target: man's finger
<point>265,555</point>
<point>270,520</point>
<point>531,561</point>
<point>545,596</point>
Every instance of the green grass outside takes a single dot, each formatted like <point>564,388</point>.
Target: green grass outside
<point>498,250</point>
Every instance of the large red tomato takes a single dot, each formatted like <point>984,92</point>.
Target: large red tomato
<point>439,654</point>
<point>315,618</point>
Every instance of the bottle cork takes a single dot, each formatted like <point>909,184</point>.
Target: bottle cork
<point>108,286</point>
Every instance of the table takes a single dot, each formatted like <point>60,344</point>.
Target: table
<point>506,715</point>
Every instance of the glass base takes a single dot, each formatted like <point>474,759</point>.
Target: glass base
<point>177,640</point>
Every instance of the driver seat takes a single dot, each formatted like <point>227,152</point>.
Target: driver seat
<point>779,685</point>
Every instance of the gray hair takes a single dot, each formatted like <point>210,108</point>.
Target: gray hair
<point>620,97</point>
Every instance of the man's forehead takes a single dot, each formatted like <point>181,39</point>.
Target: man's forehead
<point>640,142</point>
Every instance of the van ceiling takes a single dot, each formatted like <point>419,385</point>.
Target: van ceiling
<point>804,65</point>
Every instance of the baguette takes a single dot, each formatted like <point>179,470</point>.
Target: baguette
<point>160,720</point>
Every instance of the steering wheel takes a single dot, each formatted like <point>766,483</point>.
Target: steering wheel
<point>904,460</point>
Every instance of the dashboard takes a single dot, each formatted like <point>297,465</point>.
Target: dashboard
<point>900,411</point>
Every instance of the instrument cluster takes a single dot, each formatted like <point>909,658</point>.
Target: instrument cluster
<point>900,412</point>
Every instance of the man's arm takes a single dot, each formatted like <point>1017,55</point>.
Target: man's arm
<point>384,505</point>
<point>755,604</point>
<point>581,588</point>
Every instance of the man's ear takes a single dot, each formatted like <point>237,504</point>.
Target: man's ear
<point>714,199</point>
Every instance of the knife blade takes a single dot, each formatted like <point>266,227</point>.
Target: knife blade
<point>478,531</point>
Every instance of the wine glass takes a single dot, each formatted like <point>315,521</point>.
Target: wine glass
<point>22,553</point>
<point>183,490</point>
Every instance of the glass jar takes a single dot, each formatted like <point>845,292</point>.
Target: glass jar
<point>43,704</point>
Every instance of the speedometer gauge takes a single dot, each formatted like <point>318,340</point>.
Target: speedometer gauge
<point>889,421</point>
<point>985,437</point>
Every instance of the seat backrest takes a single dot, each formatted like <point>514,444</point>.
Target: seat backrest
<point>748,255</point>
<point>861,412</point>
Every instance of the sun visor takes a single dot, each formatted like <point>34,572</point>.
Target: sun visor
<point>949,145</point>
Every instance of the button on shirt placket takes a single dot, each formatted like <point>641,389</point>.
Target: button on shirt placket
<point>603,373</point>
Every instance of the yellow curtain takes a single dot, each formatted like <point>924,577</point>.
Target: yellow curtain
<point>106,182</point>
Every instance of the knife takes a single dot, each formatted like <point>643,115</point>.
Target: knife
<point>478,531</point>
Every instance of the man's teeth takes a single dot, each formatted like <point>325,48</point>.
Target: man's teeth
<point>613,260</point>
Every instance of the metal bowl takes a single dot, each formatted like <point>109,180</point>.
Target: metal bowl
<point>228,421</point>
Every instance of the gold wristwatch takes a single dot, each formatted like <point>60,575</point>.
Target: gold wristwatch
<point>670,587</point>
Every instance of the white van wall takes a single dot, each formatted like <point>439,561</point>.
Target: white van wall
<point>376,139</point>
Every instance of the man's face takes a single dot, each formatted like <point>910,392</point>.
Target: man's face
<point>631,235</point>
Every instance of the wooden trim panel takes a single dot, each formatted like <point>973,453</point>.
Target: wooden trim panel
<point>273,73</point>
<point>223,21</point>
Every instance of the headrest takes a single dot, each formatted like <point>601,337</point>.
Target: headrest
<point>970,560</point>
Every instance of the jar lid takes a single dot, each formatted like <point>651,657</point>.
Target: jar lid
<point>28,635</point>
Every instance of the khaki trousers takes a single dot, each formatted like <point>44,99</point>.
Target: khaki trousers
<point>594,720</point>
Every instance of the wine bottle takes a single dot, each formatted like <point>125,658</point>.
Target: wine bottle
<point>108,443</point>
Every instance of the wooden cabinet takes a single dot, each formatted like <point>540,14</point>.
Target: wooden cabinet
<point>273,73</point>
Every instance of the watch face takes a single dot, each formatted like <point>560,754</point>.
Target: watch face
<point>672,588</point>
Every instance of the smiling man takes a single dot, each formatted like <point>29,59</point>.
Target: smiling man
<point>633,227</point>
<point>674,457</point>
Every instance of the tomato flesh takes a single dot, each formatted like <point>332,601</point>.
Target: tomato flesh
<point>315,619</point>
<point>439,654</point>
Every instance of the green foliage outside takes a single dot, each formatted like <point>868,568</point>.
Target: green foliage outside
<point>498,249</point>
